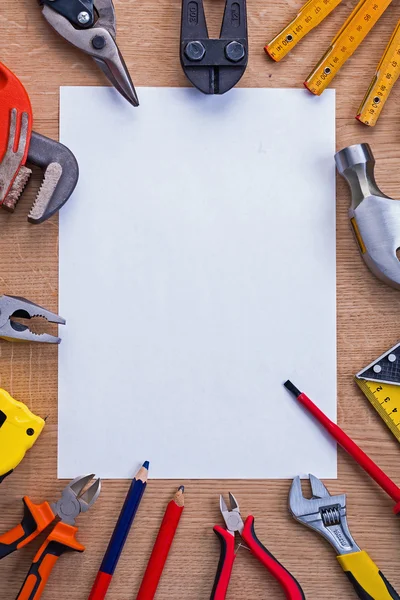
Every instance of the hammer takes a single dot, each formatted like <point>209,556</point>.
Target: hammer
<point>374,217</point>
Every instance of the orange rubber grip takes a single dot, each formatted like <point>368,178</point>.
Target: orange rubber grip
<point>36,518</point>
<point>61,539</point>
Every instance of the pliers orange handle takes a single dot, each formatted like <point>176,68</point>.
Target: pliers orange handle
<point>37,517</point>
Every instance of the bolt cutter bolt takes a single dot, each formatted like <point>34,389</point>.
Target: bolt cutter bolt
<point>195,50</point>
<point>234,51</point>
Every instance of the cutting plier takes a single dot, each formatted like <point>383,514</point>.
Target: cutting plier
<point>326,514</point>
<point>12,307</point>
<point>90,26</point>
<point>60,539</point>
<point>235,524</point>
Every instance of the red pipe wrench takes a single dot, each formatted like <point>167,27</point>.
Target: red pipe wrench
<point>20,145</point>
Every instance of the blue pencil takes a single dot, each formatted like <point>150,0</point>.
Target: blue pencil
<point>120,534</point>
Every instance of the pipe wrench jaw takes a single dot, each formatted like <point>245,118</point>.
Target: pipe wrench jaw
<point>20,145</point>
<point>324,513</point>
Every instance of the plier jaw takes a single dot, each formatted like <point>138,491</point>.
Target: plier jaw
<point>74,500</point>
<point>324,513</point>
<point>214,66</point>
<point>98,40</point>
<point>233,520</point>
<point>17,307</point>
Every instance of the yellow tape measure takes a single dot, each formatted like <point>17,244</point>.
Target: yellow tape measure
<point>19,430</point>
<point>380,382</point>
<point>310,15</point>
<point>344,44</point>
<point>382,83</point>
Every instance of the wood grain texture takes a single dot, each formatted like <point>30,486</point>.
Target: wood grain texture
<point>368,311</point>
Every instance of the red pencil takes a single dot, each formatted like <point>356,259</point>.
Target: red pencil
<point>351,447</point>
<point>161,546</point>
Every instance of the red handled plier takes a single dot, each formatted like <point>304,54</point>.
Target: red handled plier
<point>234,523</point>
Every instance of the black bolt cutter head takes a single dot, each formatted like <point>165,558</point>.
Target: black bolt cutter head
<point>214,66</point>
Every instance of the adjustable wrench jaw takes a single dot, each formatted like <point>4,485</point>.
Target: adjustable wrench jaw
<point>324,513</point>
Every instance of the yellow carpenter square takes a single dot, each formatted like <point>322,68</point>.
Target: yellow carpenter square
<point>310,15</point>
<point>347,40</point>
<point>382,83</point>
<point>380,382</point>
<point>19,430</point>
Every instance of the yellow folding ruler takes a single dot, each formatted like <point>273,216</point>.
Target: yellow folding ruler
<point>354,30</point>
<point>380,382</point>
<point>345,43</point>
<point>382,83</point>
<point>310,15</point>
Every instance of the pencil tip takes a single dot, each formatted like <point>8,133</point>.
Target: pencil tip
<point>146,464</point>
<point>292,388</point>
<point>181,488</point>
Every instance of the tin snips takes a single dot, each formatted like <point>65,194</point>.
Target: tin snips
<point>20,145</point>
<point>90,26</point>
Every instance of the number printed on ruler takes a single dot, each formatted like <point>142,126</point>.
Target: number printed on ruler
<point>310,15</point>
<point>347,40</point>
<point>382,82</point>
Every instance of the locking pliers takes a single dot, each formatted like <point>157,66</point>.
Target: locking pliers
<point>90,26</point>
<point>326,514</point>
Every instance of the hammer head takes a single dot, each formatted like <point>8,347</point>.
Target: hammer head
<point>375,218</point>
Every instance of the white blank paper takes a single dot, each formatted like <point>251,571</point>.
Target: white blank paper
<point>197,273</point>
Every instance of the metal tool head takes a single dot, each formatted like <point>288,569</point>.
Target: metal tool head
<point>61,174</point>
<point>374,216</point>
<point>99,42</point>
<point>231,516</point>
<point>74,500</point>
<point>19,145</point>
<point>16,307</point>
<point>214,66</point>
<point>322,512</point>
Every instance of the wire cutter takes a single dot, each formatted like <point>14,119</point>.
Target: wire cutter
<point>234,523</point>
<point>214,66</point>
<point>20,145</point>
<point>90,26</point>
<point>326,514</point>
<point>13,331</point>
<point>60,539</point>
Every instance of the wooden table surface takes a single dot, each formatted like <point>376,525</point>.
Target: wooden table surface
<point>368,324</point>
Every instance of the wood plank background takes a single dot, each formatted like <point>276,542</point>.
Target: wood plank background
<point>368,324</point>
